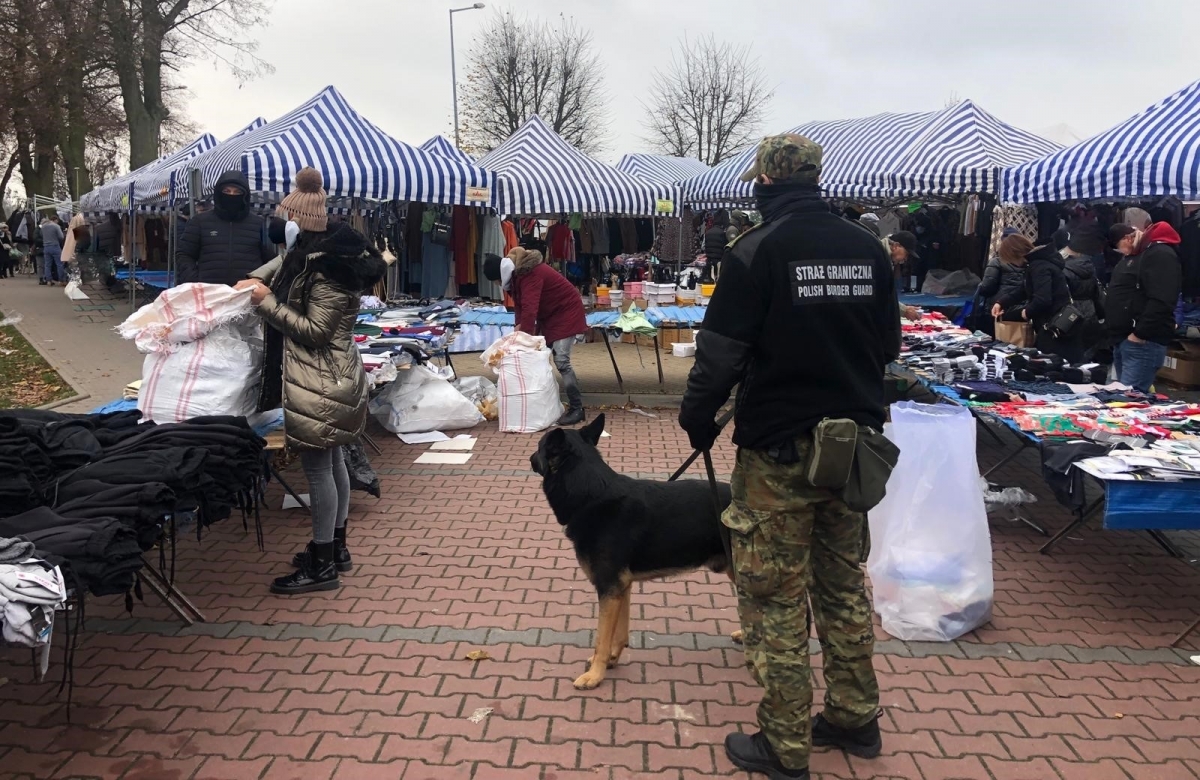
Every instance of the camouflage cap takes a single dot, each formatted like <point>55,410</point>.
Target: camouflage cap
<point>786,158</point>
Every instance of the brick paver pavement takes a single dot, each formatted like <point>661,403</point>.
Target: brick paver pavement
<point>1072,679</point>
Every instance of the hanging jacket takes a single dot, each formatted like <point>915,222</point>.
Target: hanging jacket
<point>324,384</point>
<point>1080,273</point>
<point>1144,289</point>
<point>108,236</point>
<point>220,251</point>
<point>1045,286</point>
<point>546,303</point>
<point>714,244</point>
<point>1002,283</point>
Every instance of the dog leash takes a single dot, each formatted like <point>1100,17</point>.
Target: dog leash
<point>721,423</point>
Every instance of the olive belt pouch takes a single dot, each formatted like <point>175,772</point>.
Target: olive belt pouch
<point>832,456</point>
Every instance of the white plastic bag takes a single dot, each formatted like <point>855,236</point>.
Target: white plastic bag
<point>215,375</point>
<point>529,398</point>
<point>931,551</point>
<point>183,314</point>
<point>422,400</point>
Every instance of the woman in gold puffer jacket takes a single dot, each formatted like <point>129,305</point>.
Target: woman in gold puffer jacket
<point>309,300</point>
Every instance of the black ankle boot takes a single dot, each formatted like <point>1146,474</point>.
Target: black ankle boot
<point>571,417</point>
<point>318,573</point>
<point>864,741</point>
<point>341,555</point>
<point>754,753</point>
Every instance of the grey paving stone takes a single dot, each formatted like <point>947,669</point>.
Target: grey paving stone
<point>1043,653</point>
<point>550,638</point>
<point>498,636</point>
<point>394,633</point>
<point>321,633</point>
<point>370,633</point>
<point>979,650</point>
<point>1097,654</point>
<point>1163,655</point>
<point>206,629</point>
<point>893,647</point>
<point>941,649</point>
<point>651,639</point>
<point>243,629</point>
<point>474,636</point>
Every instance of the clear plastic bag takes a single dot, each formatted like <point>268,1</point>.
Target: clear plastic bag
<point>931,550</point>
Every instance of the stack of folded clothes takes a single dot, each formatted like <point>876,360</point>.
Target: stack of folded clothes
<point>93,492</point>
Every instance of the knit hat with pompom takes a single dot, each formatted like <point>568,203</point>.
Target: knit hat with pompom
<point>305,205</point>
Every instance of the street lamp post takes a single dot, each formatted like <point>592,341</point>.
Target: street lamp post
<point>454,67</point>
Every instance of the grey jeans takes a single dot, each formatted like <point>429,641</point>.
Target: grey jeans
<point>328,491</point>
<point>562,361</point>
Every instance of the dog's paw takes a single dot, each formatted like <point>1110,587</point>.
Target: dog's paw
<point>588,681</point>
<point>738,636</point>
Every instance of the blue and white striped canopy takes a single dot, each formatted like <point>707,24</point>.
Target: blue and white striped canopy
<point>540,174</point>
<point>112,196</point>
<point>441,145</point>
<point>661,168</point>
<point>955,151</point>
<point>150,189</point>
<point>357,159</point>
<point>1152,154</point>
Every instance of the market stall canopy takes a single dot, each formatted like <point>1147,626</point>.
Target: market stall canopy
<point>114,195</point>
<point>955,151</point>
<point>150,190</point>
<point>661,168</point>
<point>1152,154</point>
<point>357,159</point>
<point>441,145</point>
<point>540,174</point>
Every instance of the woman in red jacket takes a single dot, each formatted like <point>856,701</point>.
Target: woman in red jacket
<point>548,305</point>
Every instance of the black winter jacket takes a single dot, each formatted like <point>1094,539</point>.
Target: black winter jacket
<point>1002,283</point>
<point>714,244</point>
<point>1045,286</point>
<point>805,319</point>
<point>1080,273</point>
<point>108,237</point>
<point>217,251</point>
<point>1144,289</point>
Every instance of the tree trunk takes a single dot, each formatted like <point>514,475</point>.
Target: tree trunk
<point>8,172</point>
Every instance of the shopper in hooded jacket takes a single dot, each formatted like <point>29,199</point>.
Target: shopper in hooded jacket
<point>225,244</point>
<point>1047,294</point>
<point>1142,295</point>
<point>309,299</point>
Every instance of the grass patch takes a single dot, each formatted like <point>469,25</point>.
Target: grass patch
<point>26,379</point>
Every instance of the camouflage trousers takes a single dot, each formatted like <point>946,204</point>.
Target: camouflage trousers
<point>793,543</point>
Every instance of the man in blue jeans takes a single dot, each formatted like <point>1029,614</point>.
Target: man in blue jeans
<point>52,240</point>
<point>1142,293</point>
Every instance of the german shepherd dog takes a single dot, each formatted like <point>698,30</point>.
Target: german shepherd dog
<point>625,530</point>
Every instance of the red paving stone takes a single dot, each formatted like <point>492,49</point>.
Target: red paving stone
<point>475,548</point>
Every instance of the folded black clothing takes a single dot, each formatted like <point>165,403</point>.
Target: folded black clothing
<point>1055,376</point>
<point>1076,376</point>
<point>983,392</point>
<point>1100,375</point>
<point>1025,375</point>
<point>142,507</point>
<point>102,553</point>
<point>1040,387</point>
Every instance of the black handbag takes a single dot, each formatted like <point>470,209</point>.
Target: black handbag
<point>440,232</point>
<point>1067,319</point>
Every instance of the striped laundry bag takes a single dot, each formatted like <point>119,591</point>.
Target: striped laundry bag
<point>203,348</point>
<point>529,397</point>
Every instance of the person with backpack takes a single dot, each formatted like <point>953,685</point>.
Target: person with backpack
<point>1079,270</point>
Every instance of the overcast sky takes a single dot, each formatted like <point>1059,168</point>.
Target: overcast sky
<point>1032,63</point>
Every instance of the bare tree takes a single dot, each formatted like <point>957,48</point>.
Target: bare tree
<point>151,38</point>
<point>522,67</point>
<point>709,104</point>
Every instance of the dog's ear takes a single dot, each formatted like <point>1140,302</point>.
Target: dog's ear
<point>591,432</point>
<point>556,441</point>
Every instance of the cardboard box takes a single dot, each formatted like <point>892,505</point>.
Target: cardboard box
<point>669,336</point>
<point>1182,364</point>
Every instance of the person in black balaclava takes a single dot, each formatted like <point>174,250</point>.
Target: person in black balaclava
<point>224,245</point>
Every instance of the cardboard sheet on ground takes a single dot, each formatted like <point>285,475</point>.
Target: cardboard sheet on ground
<point>457,444</point>
<point>444,458</point>
<point>423,438</point>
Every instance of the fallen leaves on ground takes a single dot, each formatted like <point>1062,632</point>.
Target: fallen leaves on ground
<point>26,379</point>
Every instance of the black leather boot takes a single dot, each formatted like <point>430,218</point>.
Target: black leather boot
<point>572,416</point>
<point>864,741</point>
<point>341,555</point>
<point>754,753</point>
<point>317,573</point>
